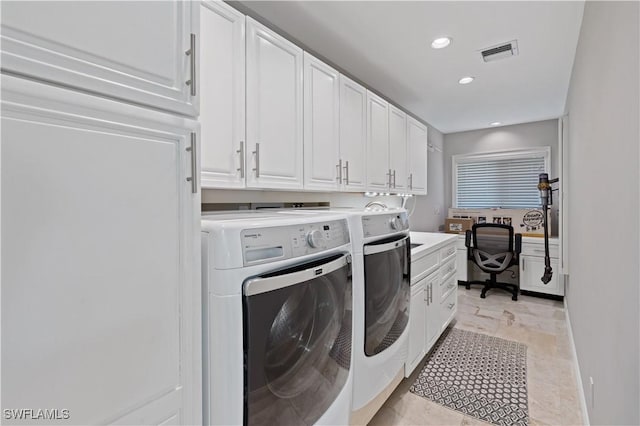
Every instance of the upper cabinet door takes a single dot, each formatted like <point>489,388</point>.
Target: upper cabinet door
<point>322,167</point>
<point>274,110</point>
<point>378,171</point>
<point>398,148</point>
<point>417,144</point>
<point>353,134</point>
<point>134,51</point>
<point>222,106</point>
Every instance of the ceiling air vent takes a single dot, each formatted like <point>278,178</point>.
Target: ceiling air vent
<point>501,51</point>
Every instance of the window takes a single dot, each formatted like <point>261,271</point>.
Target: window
<point>507,179</point>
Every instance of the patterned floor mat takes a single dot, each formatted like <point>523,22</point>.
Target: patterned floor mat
<point>478,375</point>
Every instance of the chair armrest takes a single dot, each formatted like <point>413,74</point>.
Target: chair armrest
<point>467,238</point>
<point>518,247</point>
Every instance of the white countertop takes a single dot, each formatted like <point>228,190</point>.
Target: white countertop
<point>430,241</point>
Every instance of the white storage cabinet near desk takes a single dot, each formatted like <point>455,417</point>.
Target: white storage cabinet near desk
<point>531,265</point>
<point>434,296</point>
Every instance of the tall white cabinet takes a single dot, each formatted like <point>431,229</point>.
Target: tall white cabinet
<point>274,110</point>
<point>222,105</point>
<point>322,163</point>
<point>417,155</point>
<point>378,171</point>
<point>100,210</point>
<point>353,134</point>
<point>398,149</point>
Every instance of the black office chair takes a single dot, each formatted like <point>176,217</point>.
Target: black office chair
<point>493,251</point>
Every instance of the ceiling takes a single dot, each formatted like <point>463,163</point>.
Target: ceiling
<point>386,45</point>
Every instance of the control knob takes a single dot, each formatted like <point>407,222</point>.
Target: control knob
<point>395,223</point>
<point>315,238</point>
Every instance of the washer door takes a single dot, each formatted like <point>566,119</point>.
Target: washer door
<point>387,290</point>
<point>297,341</point>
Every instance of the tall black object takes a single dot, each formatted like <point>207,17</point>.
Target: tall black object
<point>491,247</point>
<point>546,199</point>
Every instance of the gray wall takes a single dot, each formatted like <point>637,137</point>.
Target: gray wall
<point>429,212</point>
<point>603,162</point>
<point>527,135</point>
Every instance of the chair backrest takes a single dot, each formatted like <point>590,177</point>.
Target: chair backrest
<point>492,246</point>
<point>493,238</point>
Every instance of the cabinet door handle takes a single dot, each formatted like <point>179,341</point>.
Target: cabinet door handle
<point>523,263</point>
<point>192,54</point>
<point>430,293</point>
<point>339,171</point>
<point>346,172</point>
<point>389,179</point>
<point>241,155</point>
<point>394,178</point>
<point>194,164</point>
<point>451,305</point>
<point>410,180</point>
<point>257,154</point>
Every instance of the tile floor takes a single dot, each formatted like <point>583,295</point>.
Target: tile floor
<point>538,323</point>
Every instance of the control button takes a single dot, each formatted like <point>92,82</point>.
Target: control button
<point>315,238</point>
<point>395,223</point>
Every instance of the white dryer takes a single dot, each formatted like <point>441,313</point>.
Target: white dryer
<point>381,292</point>
<point>277,319</point>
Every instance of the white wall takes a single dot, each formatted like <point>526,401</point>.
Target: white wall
<point>430,211</point>
<point>604,185</point>
<point>527,135</point>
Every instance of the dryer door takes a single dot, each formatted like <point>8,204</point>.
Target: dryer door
<point>297,341</point>
<point>386,291</point>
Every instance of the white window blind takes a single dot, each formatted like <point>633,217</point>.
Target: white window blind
<point>501,180</point>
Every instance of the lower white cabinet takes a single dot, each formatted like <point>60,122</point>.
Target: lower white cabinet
<point>433,289</point>
<point>432,306</point>
<point>531,271</point>
<point>417,328</point>
<point>100,258</point>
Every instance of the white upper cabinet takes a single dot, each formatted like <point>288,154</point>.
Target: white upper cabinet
<point>417,148</point>
<point>378,171</point>
<point>100,258</point>
<point>322,164</point>
<point>353,134</point>
<point>222,104</point>
<point>274,110</point>
<point>134,51</point>
<point>398,149</point>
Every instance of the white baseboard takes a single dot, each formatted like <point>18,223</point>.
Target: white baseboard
<point>581,395</point>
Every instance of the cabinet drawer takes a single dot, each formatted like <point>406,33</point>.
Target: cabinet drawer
<point>424,265</point>
<point>448,308</point>
<point>446,287</point>
<point>448,269</point>
<point>536,249</point>
<point>447,252</point>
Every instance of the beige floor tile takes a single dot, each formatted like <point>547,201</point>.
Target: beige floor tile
<point>538,323</point>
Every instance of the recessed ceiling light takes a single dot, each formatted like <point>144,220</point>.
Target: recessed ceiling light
<point>495,123</point>
<point>466,80</point>
<point>441,42</point>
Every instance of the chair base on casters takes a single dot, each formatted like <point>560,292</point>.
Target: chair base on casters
<point>489,284</point>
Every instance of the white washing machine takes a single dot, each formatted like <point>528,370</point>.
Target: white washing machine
<point>277,319</point>
<point>381,292</point>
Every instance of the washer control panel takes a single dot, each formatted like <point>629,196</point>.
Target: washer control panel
<point>261,245</point>
<point>382,224</point>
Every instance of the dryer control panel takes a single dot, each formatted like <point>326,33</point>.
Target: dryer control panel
<point>383,224</point>
<point>262,245</point>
